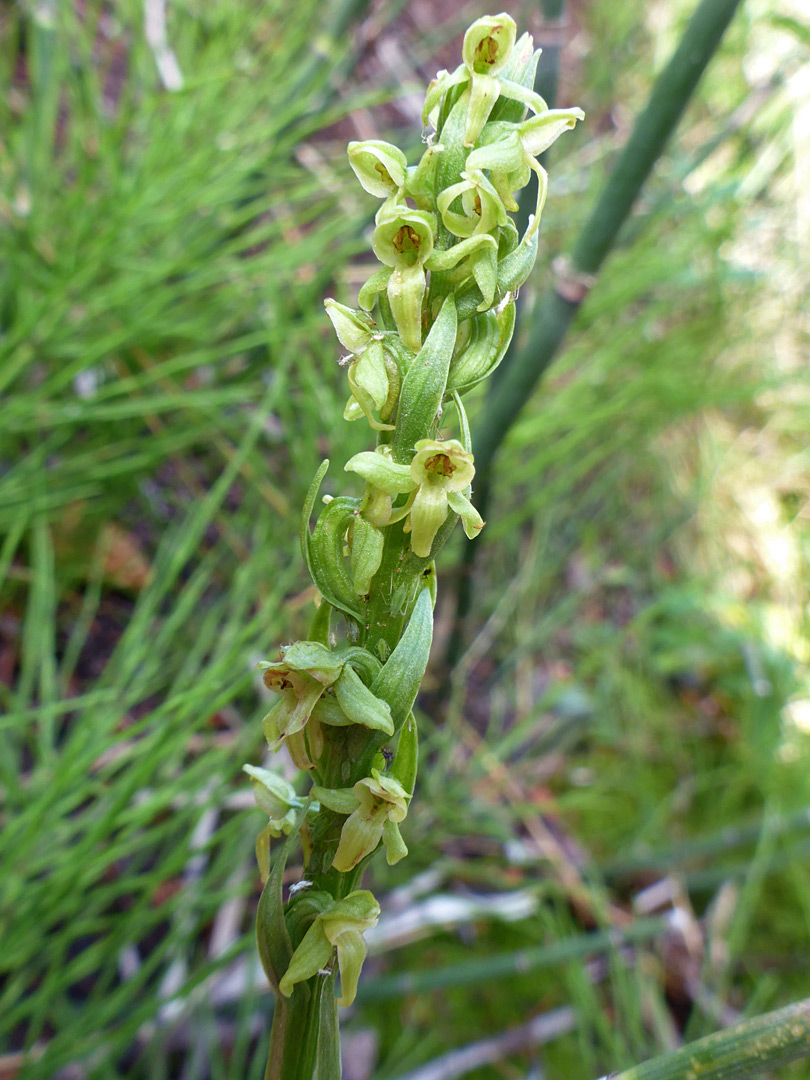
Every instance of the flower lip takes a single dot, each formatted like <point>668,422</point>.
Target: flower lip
<point>444,463</point>
<point>440,464</point>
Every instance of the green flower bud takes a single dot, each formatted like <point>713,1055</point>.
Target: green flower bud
<point>276,796</point>
<point>353,328</point>
<point>405,242</point>
<point>379,166</point>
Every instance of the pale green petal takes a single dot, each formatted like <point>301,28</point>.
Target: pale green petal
<point>470,518</point>
<point>351,952</point>
<point>539,132</point>
<point>395,847</point>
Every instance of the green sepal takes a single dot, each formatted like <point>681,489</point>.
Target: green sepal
<point>395,846</point>
<point>360,704</point>
<point>401,675</point>
<point>312,955</point>
<point>366,555</point>
<point>423,386</point>
<point>326,566</point>
<point>406,759</point>
<point>341,800</point>
<point>378,470</point>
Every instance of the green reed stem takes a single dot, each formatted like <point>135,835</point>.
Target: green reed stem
<point>747,1049</point>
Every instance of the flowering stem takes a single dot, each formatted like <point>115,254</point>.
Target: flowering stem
<point>434,321</point>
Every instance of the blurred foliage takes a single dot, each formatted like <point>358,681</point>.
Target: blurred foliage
<point>635,708</point>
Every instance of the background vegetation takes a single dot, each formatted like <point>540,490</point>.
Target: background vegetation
<point>624,745</point>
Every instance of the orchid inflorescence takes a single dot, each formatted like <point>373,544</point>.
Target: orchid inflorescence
<point>431,323</point>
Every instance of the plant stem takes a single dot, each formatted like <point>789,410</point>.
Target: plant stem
<point>655,125</point>
<point>747,1049</point>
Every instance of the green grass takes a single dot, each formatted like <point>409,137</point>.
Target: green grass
<point>167,370</point>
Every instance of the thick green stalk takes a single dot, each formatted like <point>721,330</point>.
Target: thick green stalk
<point>556,310</point>
<point>747,1049</point>
<point>346,694</point>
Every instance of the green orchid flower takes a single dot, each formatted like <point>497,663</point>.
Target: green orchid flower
<point>376,806</point>
<point>510,154</point>
<point>276,796</point>
<point>437,481</point>
<point>339,928</point>
<point>374,376</point>
<point>302,678</point>
<point>488,45</point>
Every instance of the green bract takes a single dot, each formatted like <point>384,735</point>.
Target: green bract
<point>432,321</point>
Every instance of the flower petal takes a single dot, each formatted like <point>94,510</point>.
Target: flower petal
<point>312,954</point>
<point>427,516</point>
